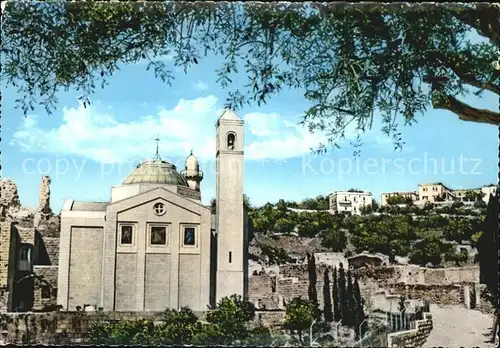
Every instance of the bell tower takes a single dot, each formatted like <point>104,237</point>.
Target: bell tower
<point>230,218</point>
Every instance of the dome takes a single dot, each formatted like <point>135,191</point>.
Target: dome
<point>192,163</point>
<point>155,172</point>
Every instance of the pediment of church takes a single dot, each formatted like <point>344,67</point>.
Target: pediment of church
<point>158,194</point>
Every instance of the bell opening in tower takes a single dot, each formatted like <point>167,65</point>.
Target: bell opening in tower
<point>231,140</point>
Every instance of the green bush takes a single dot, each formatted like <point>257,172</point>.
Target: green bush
<point>227,325</point>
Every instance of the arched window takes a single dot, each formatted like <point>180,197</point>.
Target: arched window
<point>231,141</point>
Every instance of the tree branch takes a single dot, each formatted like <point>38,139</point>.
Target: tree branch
<point>484,19</point>
<point>466,112</point>
<point>464,75</point>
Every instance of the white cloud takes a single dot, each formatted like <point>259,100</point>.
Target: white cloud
<point>201,86</point>
<point>262,125</point>
<point>278,138</point>
<point>95,133</point>
<point>99,136</point>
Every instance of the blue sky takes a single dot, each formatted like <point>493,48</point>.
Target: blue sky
<point>86,151</point>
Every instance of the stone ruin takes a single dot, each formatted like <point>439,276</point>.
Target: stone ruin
<point>44,197</point>
<point>39,229</point>
<point>43,212</point>
<point>9,198</point>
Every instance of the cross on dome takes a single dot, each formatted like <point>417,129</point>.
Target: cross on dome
<point>157,155</point>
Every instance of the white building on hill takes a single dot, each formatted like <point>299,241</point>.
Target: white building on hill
<point>349,201</point>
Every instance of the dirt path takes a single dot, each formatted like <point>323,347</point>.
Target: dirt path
<point>456,326</point>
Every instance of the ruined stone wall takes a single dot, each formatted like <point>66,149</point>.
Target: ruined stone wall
<point>47,240</point>
<point>44,197</point>
<point>7,263</point>
<point>72,327</point>
<point>441,295</point>
<point>58,327</point>
<point>26,234</point>
<point>272,292</point>
<point>420,275</point>
<point>300,271</point>
<point>441,286</point>
<point>412,338</point>
<point>272,320</point>
<point>268,292</point>
<point>289,288</point>
<point>261,286</point>
<point>9,197</point>
<point>45,290</point>
<point>40,229</point>
<point>52,249</point>
<point>5,246</point>
<point>50,227</point>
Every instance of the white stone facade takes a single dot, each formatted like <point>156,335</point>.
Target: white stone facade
<point>438,192</point>
<point>412,195</point>
<point>349,201</point>
<point>154,245</point>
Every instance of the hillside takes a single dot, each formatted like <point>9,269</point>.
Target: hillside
<point>436,235</point>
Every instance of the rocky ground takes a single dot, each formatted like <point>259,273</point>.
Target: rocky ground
<point>456,326</point>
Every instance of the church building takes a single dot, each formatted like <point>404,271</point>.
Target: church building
<point>154,246</point>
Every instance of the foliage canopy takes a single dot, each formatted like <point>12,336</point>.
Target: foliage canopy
<point>349,60</point>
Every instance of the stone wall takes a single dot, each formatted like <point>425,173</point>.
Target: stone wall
<point>44,196</point>
<point>441,295</point>
<point>40,229</point>
<point>272,292</point>
<point>272,320</point>
<point>50,226</point>
<point>5,251</point>
<point>9,197</point>
<point>45,289</point>
<point>443,286</point>
<point>47,240</point>
<point>72,327</point>
<point>7,263</point>
<point>412,338</point>
<point>440,286</point>
<point>420,275</point>
<point>58,327</point>
<point>299,271</point>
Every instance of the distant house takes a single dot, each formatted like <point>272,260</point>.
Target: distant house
<point>412,195</point>
<point>437,192</point>
<point>434,192</point>
<point>349,202</point>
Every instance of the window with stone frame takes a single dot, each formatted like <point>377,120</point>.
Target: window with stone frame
<point>158,235</point>
<point>189,237</point>
<point>126,234</point>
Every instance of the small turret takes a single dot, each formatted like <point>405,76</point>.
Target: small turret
<point>192,173</point>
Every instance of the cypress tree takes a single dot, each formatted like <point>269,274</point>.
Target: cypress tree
<point>312,292</point>
<point>342,293</point>
<point>350,310</point>
<point>360,313</point>
<point>335,295</point>
<point>327,309</point>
